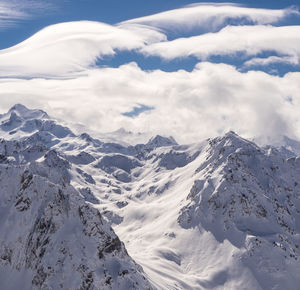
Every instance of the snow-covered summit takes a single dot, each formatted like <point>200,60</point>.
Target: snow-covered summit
<point>27,113</point>
<point>20,122</point>
<point>160,141</point>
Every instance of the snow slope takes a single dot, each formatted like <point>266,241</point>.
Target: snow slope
<point>219,214</point>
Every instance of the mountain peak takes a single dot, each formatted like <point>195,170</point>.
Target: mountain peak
<point>19,108</point>
<point>27,113</point>
<point>232,139</point>
<point>231,133</point>
<point>160,141</point>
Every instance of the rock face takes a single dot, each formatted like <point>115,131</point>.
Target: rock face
<point>220,214</point>
<point>48,231</point>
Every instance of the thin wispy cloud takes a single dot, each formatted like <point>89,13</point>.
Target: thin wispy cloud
<point>14,11</point>
<point>10,14</point>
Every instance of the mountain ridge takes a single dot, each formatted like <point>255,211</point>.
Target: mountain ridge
<point>223,213</point>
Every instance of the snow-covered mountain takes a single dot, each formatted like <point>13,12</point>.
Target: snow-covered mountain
<point>80,213</point>
<point>50,237</point>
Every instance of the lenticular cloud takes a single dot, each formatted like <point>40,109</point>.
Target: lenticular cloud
<point>211,16</point>
<point>250,40</point>
<point>71,47</point>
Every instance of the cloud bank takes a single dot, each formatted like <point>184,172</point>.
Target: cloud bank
<point>56,70</point>
<point>208,101</point>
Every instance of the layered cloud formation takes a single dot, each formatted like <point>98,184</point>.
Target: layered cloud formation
<point>59,69</point>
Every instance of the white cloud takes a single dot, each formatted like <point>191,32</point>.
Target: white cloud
<point>259,61</point>
<point>250,40</point>
<point>211,16</point>
<point>208,101</point>
<point>69,47</point>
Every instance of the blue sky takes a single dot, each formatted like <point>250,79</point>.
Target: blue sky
<point>158,66</point>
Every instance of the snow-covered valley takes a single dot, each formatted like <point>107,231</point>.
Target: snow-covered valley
<point>80,213</point>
